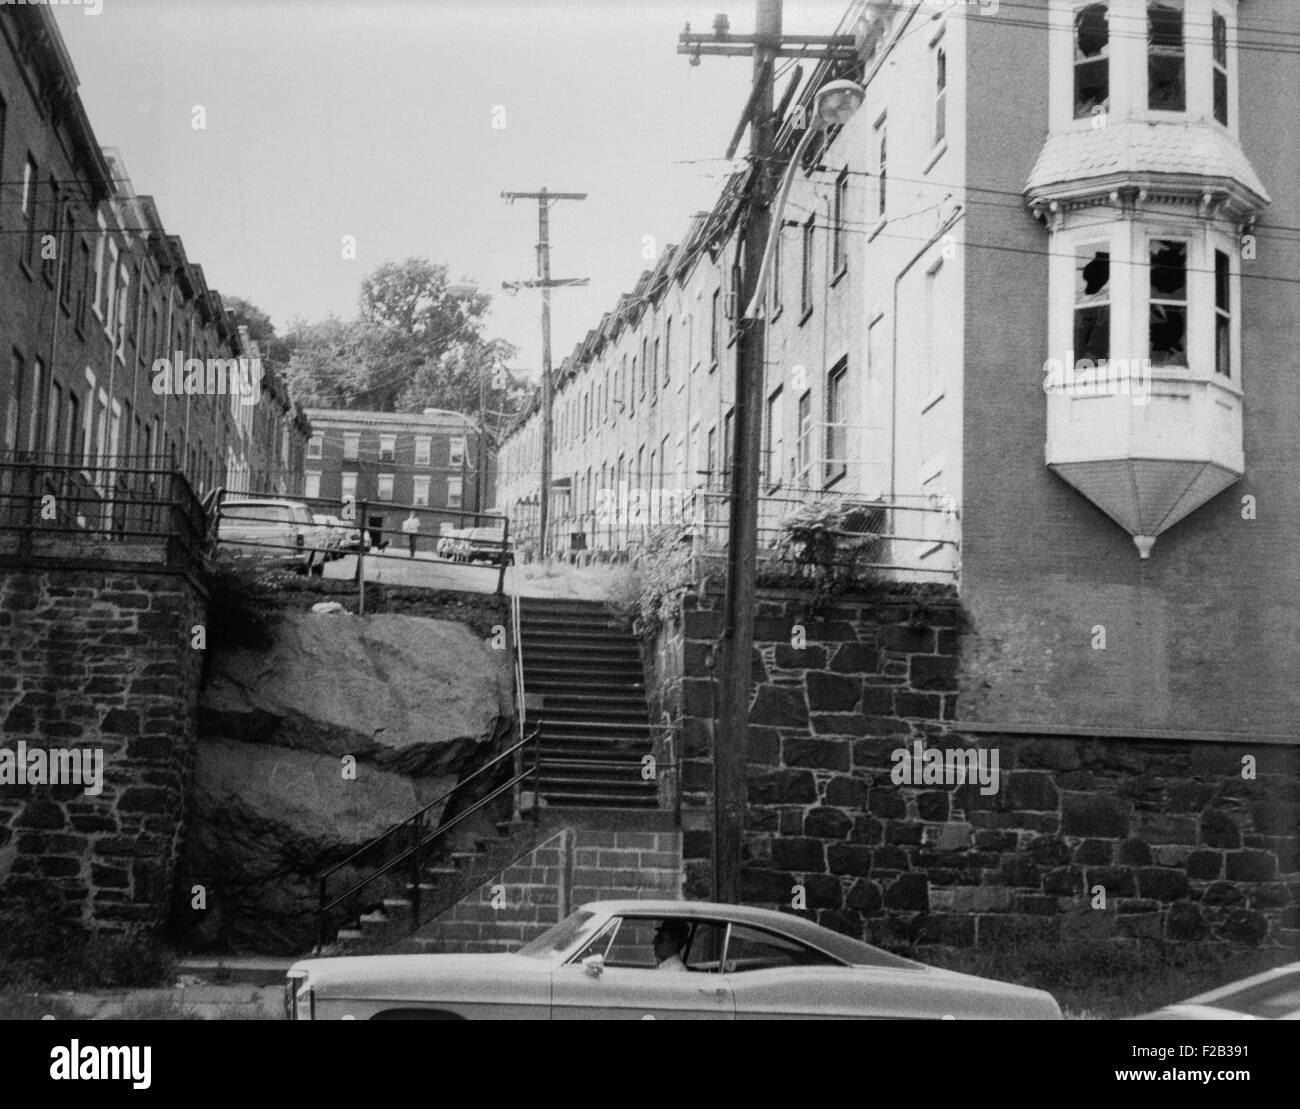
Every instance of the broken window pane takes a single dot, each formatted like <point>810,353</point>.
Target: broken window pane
<point>1168,318</point>
<point>1166,84</point>
<point>1091,61</point>
<point>1092,304</point>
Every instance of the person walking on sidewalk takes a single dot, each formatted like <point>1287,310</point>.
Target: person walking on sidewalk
<point>411,525</point>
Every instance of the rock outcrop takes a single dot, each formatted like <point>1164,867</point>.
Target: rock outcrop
<point>275,798</point>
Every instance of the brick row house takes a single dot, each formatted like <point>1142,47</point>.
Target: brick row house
<point>94,290</point>
<point>1043,281</point>
<point>436,460</point>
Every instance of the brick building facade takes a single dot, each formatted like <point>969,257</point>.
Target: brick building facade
<point>94,291</point>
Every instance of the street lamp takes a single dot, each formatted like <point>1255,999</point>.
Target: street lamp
<point>833,104</point>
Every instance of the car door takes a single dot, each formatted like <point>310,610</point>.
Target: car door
<point>615,977</point>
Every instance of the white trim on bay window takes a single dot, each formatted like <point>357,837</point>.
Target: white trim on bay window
<point>1130,246</point>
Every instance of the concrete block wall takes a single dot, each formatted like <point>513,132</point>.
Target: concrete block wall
<point>569,868</point>
<point>99,660</point>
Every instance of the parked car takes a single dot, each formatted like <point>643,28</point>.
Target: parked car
<point>274,529</point>
<point>599,962</point>
<point>486,545</point>
<point>1272,995</point>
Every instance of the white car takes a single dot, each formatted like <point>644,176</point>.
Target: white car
<point>276,529</point>
<point>604,961</point>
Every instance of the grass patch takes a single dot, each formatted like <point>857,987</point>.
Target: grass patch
<point>35,1006</point>
<point>42,948</point>
<point>1096,979</point>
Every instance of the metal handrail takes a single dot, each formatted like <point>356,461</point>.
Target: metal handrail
<point>419,839</point>
<point>425,808</point>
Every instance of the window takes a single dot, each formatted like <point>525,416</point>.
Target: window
<point>1222,314</point>
<point>385,492</point>
<point>837,423</point>
<point>1091,61</point>
<point>455,492</point>
<point>751,949</point>
<point>420,492</point>
<point>83,291</point>
<point>311,484</point>
<point>53,425</point>
<point>38,386</point>
<point>423,450</point>
<point>349,486</point>
<point>1092,303</point>
<point>715,336</point>
<point>72,429</point>
<point>728,446</point>
<point>1219,38</point>
<point>1168,307</point>
<point>882,170</point>
<point>1166,70</point>
<point>645,361</point>
<point>123,302</point>
<point>50,259</point>
<point>803,448</point>
<point>14,410</point>
<point>28,209</point>
<point>67,258</point>
<point>315,446</point>
<point>387,447</point>
<point>929,332</point>
<point>839,255</point>
<point>654,377</point>
<point>711,456</point>
<point>668,349</point>
<point>806,268</point>
<point>940,94</point>
<point>110,297</point>
<point>351,445</point>
<point>772,448</point>
<point>631,389</point>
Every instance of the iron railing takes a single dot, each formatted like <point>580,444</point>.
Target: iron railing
<point>117,508</point>
<point>406,847</point>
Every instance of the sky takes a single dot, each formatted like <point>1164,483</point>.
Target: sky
<point>374,119</point>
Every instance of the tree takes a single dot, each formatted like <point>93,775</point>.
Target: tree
<point>260,328</point>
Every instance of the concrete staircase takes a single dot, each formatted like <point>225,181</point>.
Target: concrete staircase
<point>595,723</point>
<point>443,882</point>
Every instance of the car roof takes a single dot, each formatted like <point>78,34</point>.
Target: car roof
<point>814,935</point>
<point>263,500</point>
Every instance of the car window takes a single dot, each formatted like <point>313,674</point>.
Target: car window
<point>633,944</point>
<point>704,951</point>
<point>1265,1000</point>
<point>255,513</point>
<point>301,515</point>
<point>752,949</point>
<point>599,944</point>
<point>561,937</point>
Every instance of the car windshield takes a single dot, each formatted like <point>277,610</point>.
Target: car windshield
<point>557,942</point>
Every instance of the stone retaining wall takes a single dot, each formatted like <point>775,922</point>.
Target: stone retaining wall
<point>1108,837</point>
<point>99,660</point>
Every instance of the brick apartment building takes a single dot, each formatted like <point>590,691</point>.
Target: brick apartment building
<point>93,290</point>
<point>435,459</point>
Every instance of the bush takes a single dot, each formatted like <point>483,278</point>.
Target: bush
<point>824,545</point>
<point>645,593</point>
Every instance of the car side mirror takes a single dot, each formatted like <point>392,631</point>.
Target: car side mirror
<point>594,964</point>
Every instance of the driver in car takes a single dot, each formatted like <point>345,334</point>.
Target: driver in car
<point>670,938</point>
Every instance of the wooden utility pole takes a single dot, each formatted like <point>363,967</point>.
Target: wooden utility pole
<point>731,738</point>
<point>544,201</point>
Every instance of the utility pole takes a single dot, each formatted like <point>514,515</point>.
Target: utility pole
<point>544,201</point>
<point>731,738</point>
